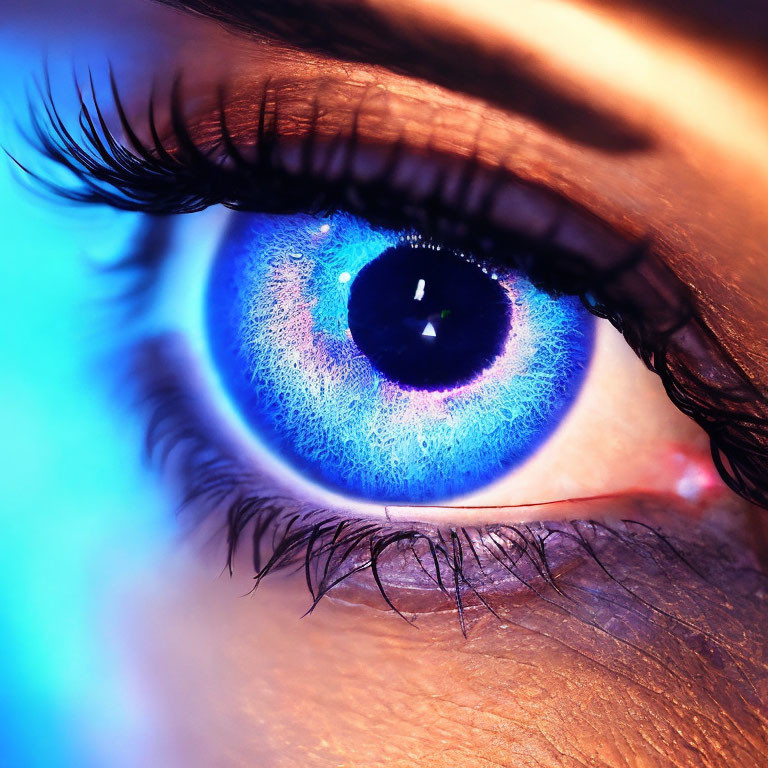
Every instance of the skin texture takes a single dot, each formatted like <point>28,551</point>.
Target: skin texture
<point>673,675</point>
<point>659,658</point>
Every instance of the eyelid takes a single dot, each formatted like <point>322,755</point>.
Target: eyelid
<point>418,135</point>
<point>515,559</point>
<point>637,291</point>
<point>314,132</point>
<point>318,131</point>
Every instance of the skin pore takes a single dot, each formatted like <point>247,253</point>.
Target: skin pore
<point>649,657</point>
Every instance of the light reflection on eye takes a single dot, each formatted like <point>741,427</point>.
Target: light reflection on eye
<point>384,367</point>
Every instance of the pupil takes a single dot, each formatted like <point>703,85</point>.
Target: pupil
<point>427,319</point>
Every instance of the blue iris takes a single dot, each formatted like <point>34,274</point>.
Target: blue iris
<point>277,322</point>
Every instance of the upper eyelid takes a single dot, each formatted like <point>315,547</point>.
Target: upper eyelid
<point>297,126</point>
<point>641,296</point>
<point>338,128</point>
<point>426,141</point>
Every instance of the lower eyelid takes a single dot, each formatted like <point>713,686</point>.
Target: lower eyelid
<point>186,429</point>
<point>219,490</point>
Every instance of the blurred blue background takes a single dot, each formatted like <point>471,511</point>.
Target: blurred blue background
<point>80,518</point>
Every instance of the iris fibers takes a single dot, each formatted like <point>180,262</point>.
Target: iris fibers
<point>384,367</point>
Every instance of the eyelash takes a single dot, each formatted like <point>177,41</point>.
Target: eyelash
<point>460,566</point>
<point>176,176</point>
<point>156,180</point>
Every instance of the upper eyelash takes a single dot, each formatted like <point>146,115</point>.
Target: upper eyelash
<point>710,387</point>
<point>174,175</point>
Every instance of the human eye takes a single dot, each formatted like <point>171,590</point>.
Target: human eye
<point>393,340</point>
<point>436,338</point>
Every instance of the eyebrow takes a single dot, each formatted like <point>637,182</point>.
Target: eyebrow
<point>744,23</point>
<point>349,30</point>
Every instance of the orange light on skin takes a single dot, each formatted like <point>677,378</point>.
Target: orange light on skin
<point>644,70</point>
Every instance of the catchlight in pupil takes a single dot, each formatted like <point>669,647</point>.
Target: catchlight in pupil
<point>383,367</point>
<point>427,318</point>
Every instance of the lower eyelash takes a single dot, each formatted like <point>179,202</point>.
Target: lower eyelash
<point>414,567</point>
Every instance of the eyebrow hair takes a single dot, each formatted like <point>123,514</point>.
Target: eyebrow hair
<point>353,30</point>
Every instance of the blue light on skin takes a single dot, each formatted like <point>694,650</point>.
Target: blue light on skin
<point>78,516</point>
<point>279,335</point>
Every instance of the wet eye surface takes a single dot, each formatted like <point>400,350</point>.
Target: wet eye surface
<point>383,366</point>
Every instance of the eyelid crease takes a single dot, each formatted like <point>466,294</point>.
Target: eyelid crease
<point>230,154</point>
<point>403,39</point>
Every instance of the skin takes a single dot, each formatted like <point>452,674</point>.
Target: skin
<point>666,668</point>
<point>589,684</point>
